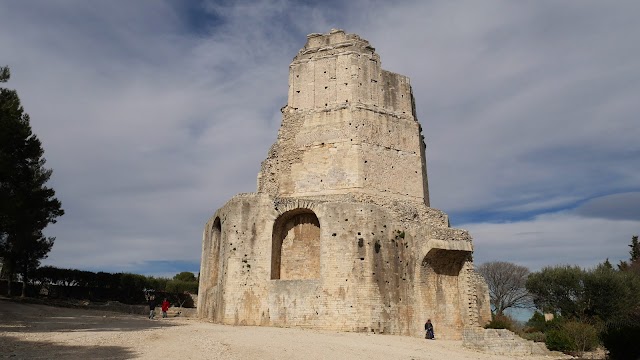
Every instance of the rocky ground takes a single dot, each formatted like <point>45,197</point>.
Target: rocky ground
<point>32,331</point>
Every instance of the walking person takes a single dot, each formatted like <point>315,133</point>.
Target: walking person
<point>428,328</point>
<point>165,306</point>
<point>152,307</point>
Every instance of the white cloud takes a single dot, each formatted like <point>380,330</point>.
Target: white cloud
<point>151,124</point>
<point>551,239</point>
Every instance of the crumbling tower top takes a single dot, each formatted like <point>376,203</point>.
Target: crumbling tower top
<point>349,127</point>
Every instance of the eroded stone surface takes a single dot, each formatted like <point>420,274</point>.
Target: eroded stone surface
<point>339,234</point>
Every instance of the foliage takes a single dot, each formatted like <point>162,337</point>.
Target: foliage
<point>621,338</point>
<point>634,261</point>
<point>558,289</point>
<point>123,287</point>
<point>599,294</point>
<point>537,322</point>
<point>27,206</point>
<point>185,276</point>
<point>500,322</point>
<point>537,336</point>
<point>635,249</point>
<point>610,294</point>
<point>507,285</point>
<point>179,287</point>
<point>572,336</point>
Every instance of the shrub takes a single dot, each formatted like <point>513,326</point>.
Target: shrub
<point>500,322</point>
<point>537,336</point>
<point>621,338</point>
<point>572,337</point>
<point>537,322</point>
<point>583,336</point>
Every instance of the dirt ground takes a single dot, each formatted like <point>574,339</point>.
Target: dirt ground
<point>29,331</point>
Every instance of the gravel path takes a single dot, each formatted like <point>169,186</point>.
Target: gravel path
<point>29,331</point>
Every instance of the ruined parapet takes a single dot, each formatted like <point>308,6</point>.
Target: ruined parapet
<point>349,127</point>
<point>339,234</point>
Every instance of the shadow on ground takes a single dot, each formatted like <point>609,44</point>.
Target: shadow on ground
<point>14,348</point>
<point>18,317</point>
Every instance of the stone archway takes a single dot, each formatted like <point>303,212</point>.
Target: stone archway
<point>443,290</point>
<point>295,251</point>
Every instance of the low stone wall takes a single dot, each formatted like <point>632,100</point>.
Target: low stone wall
<point>502,342</point>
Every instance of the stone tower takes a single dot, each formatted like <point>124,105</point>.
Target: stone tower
<point>340,234</point>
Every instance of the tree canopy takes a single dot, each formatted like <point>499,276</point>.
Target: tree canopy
<point>27,205</point>
<point>185,276</point>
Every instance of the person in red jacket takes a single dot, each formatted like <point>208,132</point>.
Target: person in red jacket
<point>165,307</point>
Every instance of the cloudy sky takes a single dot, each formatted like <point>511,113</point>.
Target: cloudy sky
<point>154,113</point>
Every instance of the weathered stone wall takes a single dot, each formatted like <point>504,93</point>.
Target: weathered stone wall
<point>362,269</point>
<point>339,235</point>
<point>349,127</point>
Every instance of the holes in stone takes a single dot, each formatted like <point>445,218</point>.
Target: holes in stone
<point>325,72</point>
<point>346,100</point>
<point>377,247</point>
<point>360,242</point>
<point>298,91</point>
<point>334,234</point>
<point>234,249</point>
<point>297,76</point>
<point>365,161</point>
<point>358,233</point>
<point>326,104</point>
<point>346,219</point>
<point>361,259</point>
<point>326,87</point>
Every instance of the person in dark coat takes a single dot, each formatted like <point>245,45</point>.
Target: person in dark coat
<point>428,328</point>
<point>152,307</point>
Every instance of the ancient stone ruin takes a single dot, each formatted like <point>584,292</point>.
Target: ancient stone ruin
<point>340,234</point>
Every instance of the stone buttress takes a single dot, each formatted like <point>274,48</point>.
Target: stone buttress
<point>340,234</point>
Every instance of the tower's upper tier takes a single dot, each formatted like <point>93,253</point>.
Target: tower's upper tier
<point>349,128</point>
<point>339,68</point>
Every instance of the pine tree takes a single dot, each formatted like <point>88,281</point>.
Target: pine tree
<point>27,206</point>
<point>635,249</point>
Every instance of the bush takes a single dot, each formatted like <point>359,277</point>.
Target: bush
<point>572,337</point>
<point>537,322</point>
<point>621,339</point>
<point>584,336</point>
<point>537,336</point>
<point>500,322</point>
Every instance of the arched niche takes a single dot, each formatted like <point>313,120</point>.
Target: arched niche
<point>295,251</point>
<point>214,254</point>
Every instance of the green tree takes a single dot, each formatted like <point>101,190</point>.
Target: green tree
<point>185,276</point>
<point>558,289</point>
<point>27,206</point>
<point>507,285</point>
<point>635,249</point>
